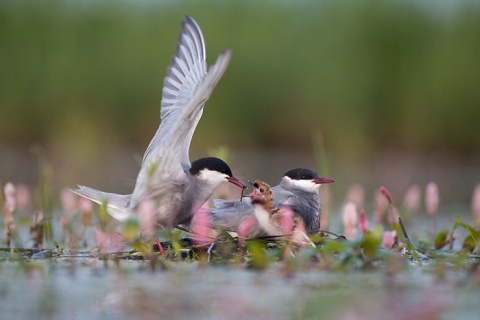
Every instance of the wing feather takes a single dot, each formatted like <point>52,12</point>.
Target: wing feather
<point>187,87</point>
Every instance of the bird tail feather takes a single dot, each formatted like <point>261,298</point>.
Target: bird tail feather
<point>117,204</point>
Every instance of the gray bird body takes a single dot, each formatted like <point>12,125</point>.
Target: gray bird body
<point>166,175</point>
<point>301,194</point>
<point>304,203</point>
<point>230,214</point>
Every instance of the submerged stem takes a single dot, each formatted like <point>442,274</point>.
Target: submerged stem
<point>409,243</point>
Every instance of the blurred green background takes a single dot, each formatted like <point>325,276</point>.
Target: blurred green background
<point>374,92</point>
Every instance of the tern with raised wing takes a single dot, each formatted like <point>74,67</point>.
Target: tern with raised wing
<point>178,187</point>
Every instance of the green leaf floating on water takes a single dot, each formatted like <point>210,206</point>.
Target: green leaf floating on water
<point>371,241</point>
<point>258,254</point>
<point>441,239</point>
<point>130,229</point>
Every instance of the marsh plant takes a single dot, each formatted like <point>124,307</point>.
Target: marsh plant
<point>371,239</point>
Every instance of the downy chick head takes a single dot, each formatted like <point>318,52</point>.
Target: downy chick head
<point>262,194</point>
<point>304,179</point>
<point>213,171</point>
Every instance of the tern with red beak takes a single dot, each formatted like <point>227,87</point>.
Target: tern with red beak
<point>298,189</point>
<point>166,176</point>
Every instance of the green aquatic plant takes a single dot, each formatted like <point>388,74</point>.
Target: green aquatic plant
<point>374,247</point>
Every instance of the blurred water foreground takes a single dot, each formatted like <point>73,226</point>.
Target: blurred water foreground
<point>56,291</point>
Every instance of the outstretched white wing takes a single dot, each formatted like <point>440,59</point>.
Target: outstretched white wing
<point>186,88</point>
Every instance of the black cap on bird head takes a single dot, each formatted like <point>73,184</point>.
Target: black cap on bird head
<point>210,163</point>
<point>301,174</point>
<point>307,174</point>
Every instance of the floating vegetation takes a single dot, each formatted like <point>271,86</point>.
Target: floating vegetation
<point>139,270</point>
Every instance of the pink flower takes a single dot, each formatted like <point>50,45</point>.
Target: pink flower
<point>386,194</point>
<point>350,220</point>
<point>10,196</point>
<point>244,229</point>
<point>412,199</point>
<point>146,215</point>
<point>431,198</point>
<point>393,215</point>
<point>286,219</point>
<point>381,204</point>
<point>69,202</point>
<point>476,205</point>
<point>85,205</point>
<point>24,198</point>
<point>363,222</point>
<point>389,238</point>
<point>350,215</point>
<point>202,227</point>
<point>108,241</point>
<point>299,234</point>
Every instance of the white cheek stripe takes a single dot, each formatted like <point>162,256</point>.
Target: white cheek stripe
<point>306,185</point>
<point>212,176</point>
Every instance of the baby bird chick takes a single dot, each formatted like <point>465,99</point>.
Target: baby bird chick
<point>274,221</point>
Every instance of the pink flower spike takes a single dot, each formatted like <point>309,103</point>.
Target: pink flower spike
<point>108,241</point>
<point>380,205</point>
<point>389,238</point>
<point>24,198</point>
<point>476,205</point>
<point>202,227</point>
<point>244,229</point>
<point>86,206</point>
<point>286,219</point>
<point>393,215</point>
<point>351,232</point>
<point>413,198</point>
<point>432,198</point>
<point>146,215</point>
<point>100,238</point>
<point>350,220</point>
<point>299,234</point>
<point>69,203</point>
<point>387,194</point>
<point>10,196</point>
<point>350,215</point>
<point>363,222</point>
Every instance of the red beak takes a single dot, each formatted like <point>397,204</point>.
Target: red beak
<point>323,180</point>
<point>237,182</point>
